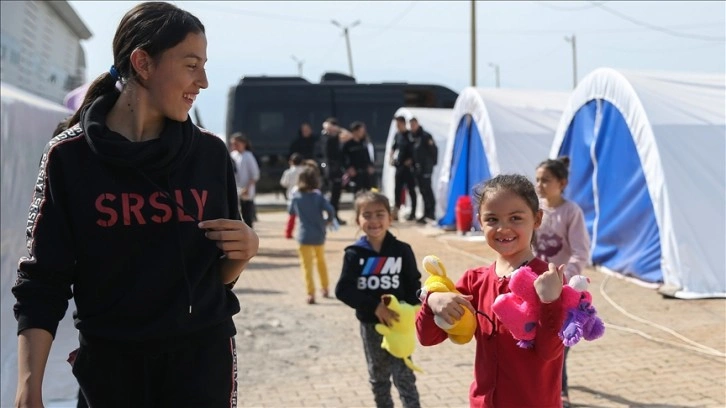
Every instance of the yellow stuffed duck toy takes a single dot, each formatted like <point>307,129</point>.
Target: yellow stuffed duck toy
<point>400,338</point>
<point>462,331</point>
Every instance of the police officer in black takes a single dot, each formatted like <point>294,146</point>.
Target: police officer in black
<point>402,159</point>
<point>332,139</point>
<point>425,154</point>
<point>305,144</point>
<point>357,159</point>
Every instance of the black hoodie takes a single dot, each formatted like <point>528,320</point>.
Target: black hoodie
<point>368,274</point>
<point>103,229</point>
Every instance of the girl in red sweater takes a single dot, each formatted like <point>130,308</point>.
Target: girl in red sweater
<point>505,375</point>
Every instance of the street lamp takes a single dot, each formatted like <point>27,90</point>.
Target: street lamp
<point>347,40</point>
<point>496,72</point>
<point>299,64</point>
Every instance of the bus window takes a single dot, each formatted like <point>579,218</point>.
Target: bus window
<point>419,98</point>
<point>271,122</point>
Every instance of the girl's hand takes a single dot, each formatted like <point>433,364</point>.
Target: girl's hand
<point>449,305</point>
<point>386,315</point>
<point>234,237</point>
<point>549,284</point>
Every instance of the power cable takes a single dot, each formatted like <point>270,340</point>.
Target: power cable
<point>657,28</point>
<point>554,7</point>
<point>700,348</point>
<point>395,20</point>
<point>652,50</point>
<point>433,29</point>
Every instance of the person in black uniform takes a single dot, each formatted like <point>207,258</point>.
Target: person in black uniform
<point>425,154</point>
<point>357,159</point>
<point>333,138</point>
<point>402,159</point>
<point>306,143</point>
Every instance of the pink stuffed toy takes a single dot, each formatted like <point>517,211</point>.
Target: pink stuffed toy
<point>519,310</point>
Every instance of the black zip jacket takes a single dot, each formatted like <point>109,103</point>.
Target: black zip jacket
<point>368,274</point>
<point>403,144</point>
<point>306,146</point>
<point>355,154</point>
<point>113,223</point>
<point>424,151</point>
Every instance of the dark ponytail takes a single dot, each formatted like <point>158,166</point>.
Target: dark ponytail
<point>103,85</point>
<point>558,167</point>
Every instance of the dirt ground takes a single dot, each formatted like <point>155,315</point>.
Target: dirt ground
<point>292,354</point>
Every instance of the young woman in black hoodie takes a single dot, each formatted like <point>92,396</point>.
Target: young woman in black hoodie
<point>134,214</point>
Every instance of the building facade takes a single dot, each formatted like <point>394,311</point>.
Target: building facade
<point>40,49</point>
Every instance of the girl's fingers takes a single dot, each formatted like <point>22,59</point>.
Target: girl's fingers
<point>224,235</point>
<point>220,224</point>
<point>237,255</point>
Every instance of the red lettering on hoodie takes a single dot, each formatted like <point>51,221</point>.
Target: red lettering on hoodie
<point>179,211</point>
<point>200,202</point>
<point>134,208</point>
<point>154,202</point>
<point>112,215</point>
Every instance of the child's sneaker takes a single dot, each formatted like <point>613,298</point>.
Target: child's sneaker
<point>325,293</point>
<point>311,299</point>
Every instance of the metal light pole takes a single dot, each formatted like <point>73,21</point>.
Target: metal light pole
<point>299,64</point>
<point>473,43</point>
<point>496,72</point>
<point>347,40</point>
<point>571,40</point>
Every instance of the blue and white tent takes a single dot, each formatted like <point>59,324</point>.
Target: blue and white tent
<point>647,157</point>
<point>495,131</point>
<point>433,120</point>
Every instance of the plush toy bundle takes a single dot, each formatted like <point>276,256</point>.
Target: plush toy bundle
<point>519,310</point>
<point>400,338</point>
<point>462,331</point>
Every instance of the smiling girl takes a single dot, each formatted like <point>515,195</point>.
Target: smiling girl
<point>375,265</point>
<point>135,216</point>
<point>505,375</point>
<point>563,237</point>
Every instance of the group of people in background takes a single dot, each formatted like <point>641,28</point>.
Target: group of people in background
<point>414,155</point>
<point>347,160</point>
<point>346,157</point>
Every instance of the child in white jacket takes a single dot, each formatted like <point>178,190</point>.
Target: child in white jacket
<point>289,181</point>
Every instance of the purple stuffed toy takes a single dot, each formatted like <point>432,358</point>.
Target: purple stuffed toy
<point>581,321</point>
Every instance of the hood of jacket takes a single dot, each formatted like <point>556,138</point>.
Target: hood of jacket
<point>154,157</point>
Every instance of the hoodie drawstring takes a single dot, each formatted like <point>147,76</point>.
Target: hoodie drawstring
<point>166,195</point>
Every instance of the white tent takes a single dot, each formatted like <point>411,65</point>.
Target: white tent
<point>27,124</point>
<point>433,120</point>
<point>648,153</point>
<point>492,132</point>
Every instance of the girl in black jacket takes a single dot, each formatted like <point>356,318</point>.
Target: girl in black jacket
<point>375,265</point>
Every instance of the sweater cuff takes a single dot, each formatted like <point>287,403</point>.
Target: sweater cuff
<point>422,294</point>
<point>552,314</point>
<point>26,322</point>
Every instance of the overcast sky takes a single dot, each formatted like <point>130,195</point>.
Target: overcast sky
<point>429,41</point>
